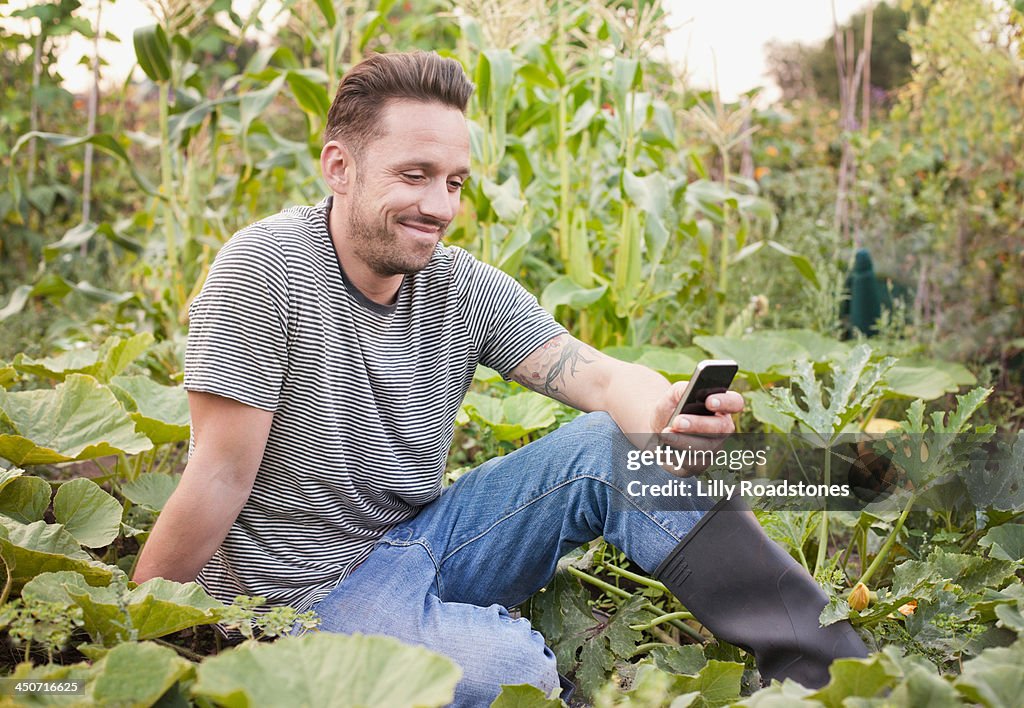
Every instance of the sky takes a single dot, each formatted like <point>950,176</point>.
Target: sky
<point>723,39</point>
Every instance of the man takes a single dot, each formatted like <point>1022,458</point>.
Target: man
<point>328,355</point>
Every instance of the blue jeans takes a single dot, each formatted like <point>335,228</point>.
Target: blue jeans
<point>443,579</point>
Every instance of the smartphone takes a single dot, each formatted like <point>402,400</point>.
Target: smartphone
<point>710,377</point>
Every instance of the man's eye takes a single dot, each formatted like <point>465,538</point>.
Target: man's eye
<point>413,177</point>
<point>455,184</point>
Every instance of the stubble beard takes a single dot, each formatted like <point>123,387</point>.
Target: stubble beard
<point>378,246</point>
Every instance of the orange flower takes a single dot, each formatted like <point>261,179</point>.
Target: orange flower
<point>859,597</point>
<point>761,172</point>
<point>908,609</point>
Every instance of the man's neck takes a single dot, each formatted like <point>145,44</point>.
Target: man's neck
<point>381,289</point>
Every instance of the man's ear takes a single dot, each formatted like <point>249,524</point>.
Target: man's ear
<point>337,166</point>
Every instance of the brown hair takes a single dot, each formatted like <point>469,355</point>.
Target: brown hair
<point>369,85</point>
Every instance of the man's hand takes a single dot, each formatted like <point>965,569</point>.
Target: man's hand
<point>695,432</point>
<point>723,405</point>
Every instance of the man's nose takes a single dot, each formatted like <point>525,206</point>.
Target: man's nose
<point>438,203</point>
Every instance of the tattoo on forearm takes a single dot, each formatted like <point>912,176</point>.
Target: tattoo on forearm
<point>547,370</point>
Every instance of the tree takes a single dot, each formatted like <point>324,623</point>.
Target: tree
<point>805,71</point>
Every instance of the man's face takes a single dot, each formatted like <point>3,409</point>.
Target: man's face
<point>407,186</point>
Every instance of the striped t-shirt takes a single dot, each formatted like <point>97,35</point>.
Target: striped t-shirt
<point>364,395</point>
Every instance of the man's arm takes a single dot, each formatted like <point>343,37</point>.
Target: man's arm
<point>229,441</point>
<point>639,400</point>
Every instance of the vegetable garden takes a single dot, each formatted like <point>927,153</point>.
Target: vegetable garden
<point>658,224</point>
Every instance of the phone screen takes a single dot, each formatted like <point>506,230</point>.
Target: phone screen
<point>712,379</point>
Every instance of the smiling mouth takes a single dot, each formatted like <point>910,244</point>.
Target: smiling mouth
<point>431,228</point>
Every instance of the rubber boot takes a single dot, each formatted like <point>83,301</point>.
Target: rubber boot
<point>749,592</point>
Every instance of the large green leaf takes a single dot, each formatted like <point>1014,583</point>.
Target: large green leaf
<point>685,660</point>
<point>159,607</point>
<point>926,453</point>
<point>716,684</point>
<point>513,417</point>
<point>677,364</point>
<point>562,615</point>
<point>997,481</point>
<point>253,103</point>
<point>766,357</point>
<point>101,141</point>
<point>8,374</point>
<point>819,348</point>
<point>153,52</point>
<point>310,94</point>
<point>583,643</point>
<point>565,291</point>
<point>32,549</point>
<point>151,489</point>
<point>8,475</point>
<point>649,193</point>
<point>524,696</point>
<point>995,678</point>
<point>154,609</point>
<point>327,670</point>
<point>1005,542</point>
<point>136,675</point>
<point>79,419</point>
<point>91,515</point>
<point>506,199</point>
<point>160,412</point>
<point>971,573</point>
<point>113,356</point>
<point>58,366</point>
<point>781,695</point>
<point>25,499</point>
<point>960,374</point>
<point>609,640</point>
<point>102,618</point>
<point>856,385</point>
<point>761,407</point>
<point>863,678</point>
<point>923,382</point>
<point>77,236</point>
<point>54,287</point>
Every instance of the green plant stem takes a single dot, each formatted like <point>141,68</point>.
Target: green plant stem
<point>646,648</point>
<point>723,253</point>
<point>803,558</point>
<point>663,619</point>
<point>7,584</point>
<point>849,549</point>
<point>598,583</point>
<point>167,192</point>
<point>823,528</point>
<point>187,653</point>
<point>636,578</point>
<point>164,456</point>
<point>871,415</point>
<point>562,149</point>
<point>665,637</point>
<point>619,592</point>
<point>883,552</point>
